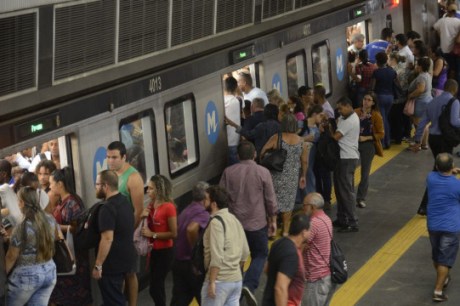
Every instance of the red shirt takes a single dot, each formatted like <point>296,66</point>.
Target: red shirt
<point>366,72</point>
<point>296,287</point>
<point>317,253</point>
<point>158,223</point>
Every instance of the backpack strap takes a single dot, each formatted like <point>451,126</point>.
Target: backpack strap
<point>223,225</point>
<point>42,156</point>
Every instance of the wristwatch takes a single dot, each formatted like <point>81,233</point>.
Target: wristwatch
<point>98,268</point>
<point>154,235</point>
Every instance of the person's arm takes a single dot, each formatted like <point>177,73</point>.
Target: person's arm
<point>11,257</point>
<point>281,289</point>
<point>213,272</point>
<point>136,191</point>
<point>420,89</point>
<point>272,143</point>
<point>337,135</point>
<point>455,114</point>
<point>172,225</point>
<point>271,205</point>
<point>104,248</point>
<point>304,166</point>
<point>193,233</point>
<point>437,67</point>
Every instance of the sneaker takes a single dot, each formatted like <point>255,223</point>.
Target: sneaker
<point>446,282</point>
<point>361,204</point>
<point>348,229</point>
<point>250,298</point>
<point>439,297</point>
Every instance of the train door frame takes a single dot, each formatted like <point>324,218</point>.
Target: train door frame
<point>317,45</point>
<point>303,65</point>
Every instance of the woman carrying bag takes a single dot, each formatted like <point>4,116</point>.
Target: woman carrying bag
<point>31,254</point>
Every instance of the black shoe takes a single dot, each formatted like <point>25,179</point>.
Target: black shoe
<point>250,298</point>
<point>348,229</point>
<point>337,223</point>
<point>421,211</point>
<point>439,297</point>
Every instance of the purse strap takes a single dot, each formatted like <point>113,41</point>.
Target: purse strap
<point>280,137</point>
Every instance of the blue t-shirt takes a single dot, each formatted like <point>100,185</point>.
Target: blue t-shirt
<point>376,47</point>
<point>384,78</point>
<point>443,211</point>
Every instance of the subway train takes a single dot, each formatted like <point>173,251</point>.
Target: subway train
<point>161,92</point>
<point>167,105</point>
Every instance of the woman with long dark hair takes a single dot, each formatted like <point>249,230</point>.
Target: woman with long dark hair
<point>370,135</point>
<point>161,217</point>
<point>74,289</point>
<point>30,255</point>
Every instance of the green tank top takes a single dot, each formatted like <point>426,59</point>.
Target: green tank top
<point>123,182</point>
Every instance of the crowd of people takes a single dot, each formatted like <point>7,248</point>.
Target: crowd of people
<point>236,218</point>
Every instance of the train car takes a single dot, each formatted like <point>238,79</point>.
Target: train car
<point>151,73</point>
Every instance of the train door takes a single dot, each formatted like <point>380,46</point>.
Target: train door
<point>321,65</point>
<point>355,30</point>
<point>295,72</point>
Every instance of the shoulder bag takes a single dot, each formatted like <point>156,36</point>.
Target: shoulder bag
<point>274,158</point>
<point>409,108</point>
<point>64,254</point>
<point>337,261</point>
<point>141,243</point>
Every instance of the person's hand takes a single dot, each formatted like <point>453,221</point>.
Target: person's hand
<point>302,183</point>
<point>145,212</point>
<point>362,138</point>
<point>456,171</point>
<point>272,229</point>
<point>97,275</point>
<point>212,290</point>
<point>230,122</point>
<point>146,232</point>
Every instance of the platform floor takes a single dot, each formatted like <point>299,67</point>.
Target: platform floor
<point>389,259</point>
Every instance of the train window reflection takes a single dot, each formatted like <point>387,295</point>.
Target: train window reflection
<point>321,63</point>
<point>136,132</point>
<point>295,70</point>
<point>181,134</point>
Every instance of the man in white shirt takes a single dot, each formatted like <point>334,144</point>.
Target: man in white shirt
<point>347,135</point>
<point>404,50</point>
<point>10,206</point>
<point>357,43</point>
<point>52,154</point>
<point>448,28</point>
<point>232,112</point>
<point>249,91</point>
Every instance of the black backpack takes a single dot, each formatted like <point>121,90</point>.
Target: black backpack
<point>198,251</point>
<point>87,235</point>
<point>337,263</point>
<point>328,151</point>
<point>450,133</point>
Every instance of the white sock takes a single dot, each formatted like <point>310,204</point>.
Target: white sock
<point>437,292</point>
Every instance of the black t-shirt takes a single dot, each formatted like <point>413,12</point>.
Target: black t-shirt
<point>117,215</point>
<point>283,258</point>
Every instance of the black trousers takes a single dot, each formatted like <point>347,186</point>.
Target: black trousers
<point>186,285</point>
<point>437,145</point>
<point>160,264</point>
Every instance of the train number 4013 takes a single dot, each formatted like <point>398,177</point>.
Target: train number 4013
<point>155,84</point>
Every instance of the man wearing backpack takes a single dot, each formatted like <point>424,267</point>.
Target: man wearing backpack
<point>190,226</point>
<point>316,256</point>
<point>225,251</point>
<point>437,141</point>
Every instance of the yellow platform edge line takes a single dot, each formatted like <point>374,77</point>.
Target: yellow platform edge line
<point>366,277</point>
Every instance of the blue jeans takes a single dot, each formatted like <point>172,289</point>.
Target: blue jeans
<point>111,287</point>
<point>258,245</point>
<point>444,247</point>
<point>385,102</point>
<point>31,285</point>
<point>227,294</point>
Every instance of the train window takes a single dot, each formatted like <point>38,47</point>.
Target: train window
<point>321,64</point>
<point>354,31</point>
<point>28,158</point>
<point>180,121</point>
<point>295,70</point>
<point>137,133</point>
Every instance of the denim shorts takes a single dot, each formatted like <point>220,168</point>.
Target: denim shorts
<point>444,247</point>
<point>31,285</point>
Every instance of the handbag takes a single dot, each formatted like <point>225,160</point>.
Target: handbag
<point>274,158</point>
<point>141,243</point>
<point>337,261</point>
<point>409,107</point>
<point>64,255</point>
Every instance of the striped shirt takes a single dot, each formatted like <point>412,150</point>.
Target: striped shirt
<point>317,253</point>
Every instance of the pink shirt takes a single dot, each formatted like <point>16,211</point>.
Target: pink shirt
<point>317,253</point>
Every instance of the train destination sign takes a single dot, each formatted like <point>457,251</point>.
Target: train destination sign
<point>37,126</point>
<point>242,54</point>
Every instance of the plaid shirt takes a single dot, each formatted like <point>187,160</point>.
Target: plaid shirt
<point>366,72</point>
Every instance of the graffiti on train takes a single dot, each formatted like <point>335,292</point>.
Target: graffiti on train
<point>211,122</point>
<point>99,162</point>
